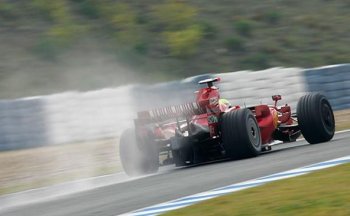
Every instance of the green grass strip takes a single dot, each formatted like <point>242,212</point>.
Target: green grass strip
<point>325,192</point>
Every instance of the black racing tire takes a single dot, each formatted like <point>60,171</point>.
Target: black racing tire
<point>240,134</point>
<point>137,161</point>
<point>315,118</point>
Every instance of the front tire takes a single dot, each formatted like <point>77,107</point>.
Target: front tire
<point>315,118</point>
<point>137,161</point>
<point>240,134</point>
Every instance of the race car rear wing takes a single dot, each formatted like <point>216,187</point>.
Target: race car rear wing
<point>170,112</point>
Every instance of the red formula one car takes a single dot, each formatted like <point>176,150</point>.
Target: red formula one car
<point>211,129</point>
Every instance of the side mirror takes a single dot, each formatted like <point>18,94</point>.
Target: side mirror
<point>276,97</point>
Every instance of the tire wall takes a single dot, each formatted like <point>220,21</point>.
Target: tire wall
<point>333,81</point>
<point>84,116</point>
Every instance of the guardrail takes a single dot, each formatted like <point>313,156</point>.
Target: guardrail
<point>82,116</point>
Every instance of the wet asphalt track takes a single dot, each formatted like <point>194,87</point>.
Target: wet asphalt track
<point>172,183</point>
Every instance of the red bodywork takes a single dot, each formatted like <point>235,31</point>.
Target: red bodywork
<point>266,116</point>
<point>207,110</point>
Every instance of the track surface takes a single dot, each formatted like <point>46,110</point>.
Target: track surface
<point>175,183</point>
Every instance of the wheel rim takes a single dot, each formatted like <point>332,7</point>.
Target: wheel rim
<point>253,133</point>
<point>327,117</point>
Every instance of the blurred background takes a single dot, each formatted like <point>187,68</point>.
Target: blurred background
<point>53,46</point>
<point>68,70</point>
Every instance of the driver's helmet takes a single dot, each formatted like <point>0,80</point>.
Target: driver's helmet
<point>224,104</point>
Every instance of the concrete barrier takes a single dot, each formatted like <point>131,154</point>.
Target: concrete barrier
<point>251,88</point>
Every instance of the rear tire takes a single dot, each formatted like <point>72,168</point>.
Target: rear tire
<point>315,118</point>
<point>137,161</point>
<point>240,134</point>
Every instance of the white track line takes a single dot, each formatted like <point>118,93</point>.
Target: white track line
<point>193,199</point>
